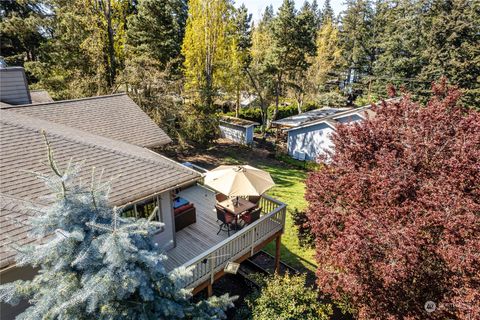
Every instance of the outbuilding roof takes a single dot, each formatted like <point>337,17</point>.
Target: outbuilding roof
<point>331,120</point>
<point>305,117</point>
<point>239,122</point>
<point>114,116</point>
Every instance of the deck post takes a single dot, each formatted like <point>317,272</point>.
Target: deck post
<point>278,242</point>
<point>209,290</point>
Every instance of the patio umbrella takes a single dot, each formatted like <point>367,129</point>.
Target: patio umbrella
<point>239,180</point>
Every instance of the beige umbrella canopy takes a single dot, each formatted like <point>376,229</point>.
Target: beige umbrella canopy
<point>239,180</point>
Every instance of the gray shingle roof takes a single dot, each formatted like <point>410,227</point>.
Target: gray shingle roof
<point>309,116</point>
<point>139,172</point>
<point>14,221</point>
<point>114,116</point>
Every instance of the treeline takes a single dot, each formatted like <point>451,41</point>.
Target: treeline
<point>180,59</point>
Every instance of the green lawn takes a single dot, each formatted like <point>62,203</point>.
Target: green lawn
<point>290,189</point>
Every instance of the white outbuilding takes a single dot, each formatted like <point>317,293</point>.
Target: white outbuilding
<point>309,135</point>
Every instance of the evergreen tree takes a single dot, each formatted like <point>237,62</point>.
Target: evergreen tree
<point>318,14</point>
<point>358,31</point>
<point>20,32</point>
<point>85,51</point>
<point>157,29</point>
<point>153,59</point>
<point>291,47</point>
<point>307,29</point>
<point>399,45</point>
<point>327,12</point>
<point>98,265</point>
<point>241,52</point>
<point>452,31</point>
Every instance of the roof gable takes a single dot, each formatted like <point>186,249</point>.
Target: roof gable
<point>114,116</point>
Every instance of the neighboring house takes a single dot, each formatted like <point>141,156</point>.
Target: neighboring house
<point>309,136</point>
<point>237,130</point>
<point>110,136</point>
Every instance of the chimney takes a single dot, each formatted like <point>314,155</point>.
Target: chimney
<point>13,85</point>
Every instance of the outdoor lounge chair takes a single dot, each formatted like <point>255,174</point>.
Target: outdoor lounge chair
<point>251,216</point>
<point>226,219</point>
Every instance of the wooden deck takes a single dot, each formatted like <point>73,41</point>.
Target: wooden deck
<point>198,246</point>
<point>200,236</point>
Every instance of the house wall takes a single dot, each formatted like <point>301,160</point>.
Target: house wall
<point>13,86</point>
<point>165,239</point>
<point>312,140</point>
<point>236,133</point>
<point>8,312</point>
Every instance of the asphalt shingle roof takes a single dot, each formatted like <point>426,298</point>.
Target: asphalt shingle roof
<point>114,116</point>
<point>137,171</point>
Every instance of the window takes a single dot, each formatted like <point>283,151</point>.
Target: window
<point>143,209</point>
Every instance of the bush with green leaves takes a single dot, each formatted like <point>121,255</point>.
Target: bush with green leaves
<point>98,265</point>
<point>287,297</point>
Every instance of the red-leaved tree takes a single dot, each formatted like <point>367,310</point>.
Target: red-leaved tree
<point>396,212</point>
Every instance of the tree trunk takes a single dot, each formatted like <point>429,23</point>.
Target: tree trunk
<point>263,108</point>
<point>277,96</point>
<point>237,103</point>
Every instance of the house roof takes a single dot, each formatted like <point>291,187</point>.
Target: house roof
<point>40,96</point>
<point>15,226</point>
<point>306,117</point>
<point>113,116</point>
<point>332,120</point>
<point>137,171</point>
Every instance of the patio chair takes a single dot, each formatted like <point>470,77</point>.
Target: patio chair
<point>226,220</point>
<point>220,197</point>
<point>251,216</point>
<point>254,199</point>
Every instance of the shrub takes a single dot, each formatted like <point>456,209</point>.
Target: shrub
<point>199,126</point>
<point>396,212</point>
<point>287,297</point>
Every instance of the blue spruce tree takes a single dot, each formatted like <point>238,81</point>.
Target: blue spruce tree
<point>98,265</point>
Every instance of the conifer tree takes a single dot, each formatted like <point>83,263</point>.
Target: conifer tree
<point>291,46</point>
<point>241,56</point>
<point>96,264</point>
<point>327,12</point>
<point>157,29</point>
<point>452,31</point>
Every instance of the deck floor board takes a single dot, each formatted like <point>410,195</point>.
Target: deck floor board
<point>200,236</point>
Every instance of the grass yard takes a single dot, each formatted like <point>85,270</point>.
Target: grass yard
<point>290,189</point>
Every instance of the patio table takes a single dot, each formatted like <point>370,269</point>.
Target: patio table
<point>231,206</point>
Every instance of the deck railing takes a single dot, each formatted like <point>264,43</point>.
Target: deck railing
<point>242,242</point>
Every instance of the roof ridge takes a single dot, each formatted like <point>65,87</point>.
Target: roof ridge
<point>62,131</point>
<point>65,101</point>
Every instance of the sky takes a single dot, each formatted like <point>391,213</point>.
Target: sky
<point>256,7</point>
